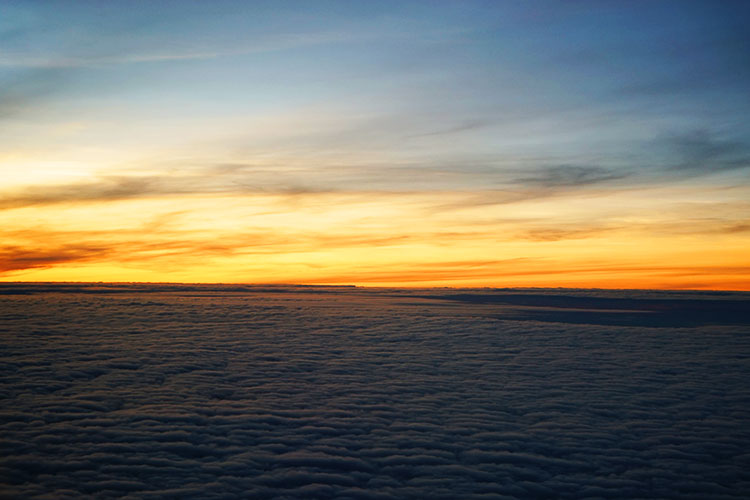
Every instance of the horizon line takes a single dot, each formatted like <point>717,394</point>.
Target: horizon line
<point>317,285</point>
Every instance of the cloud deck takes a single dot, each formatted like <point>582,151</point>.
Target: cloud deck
<point>153,391</point>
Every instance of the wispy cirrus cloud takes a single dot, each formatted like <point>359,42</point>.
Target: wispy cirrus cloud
<point>27,89</point>
<point>91,57</point>
<point>478,184</point>
<point>110,188</point>
<point>101,190</point>
<point>161,242</point>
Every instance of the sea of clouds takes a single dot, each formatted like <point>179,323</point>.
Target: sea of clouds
<point>155,391</point>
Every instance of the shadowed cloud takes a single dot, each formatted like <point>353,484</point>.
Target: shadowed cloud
<point>702,152</point>
<point>207,391</point>
<point>569,176</point>
<point>108,189</point>
<point>562,232</point>
<point>16,258</point>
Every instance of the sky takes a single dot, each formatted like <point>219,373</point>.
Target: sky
<point>499,143</point>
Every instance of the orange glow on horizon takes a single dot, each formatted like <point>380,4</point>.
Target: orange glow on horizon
<point>377,239</point>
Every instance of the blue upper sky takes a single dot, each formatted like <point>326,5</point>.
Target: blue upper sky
<point>611,89</point>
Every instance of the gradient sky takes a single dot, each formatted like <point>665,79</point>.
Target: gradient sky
<point>498,143</point>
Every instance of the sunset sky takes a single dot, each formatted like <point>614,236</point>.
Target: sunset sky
<point>473,143</point>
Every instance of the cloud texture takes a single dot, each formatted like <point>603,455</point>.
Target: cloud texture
<point>154,391</point>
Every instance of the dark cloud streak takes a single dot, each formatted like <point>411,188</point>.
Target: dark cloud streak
<point>569,176</point>
<point>17,258</point>
<point>702,152</point>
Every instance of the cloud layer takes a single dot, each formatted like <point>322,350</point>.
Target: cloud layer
<point>153,391</point>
